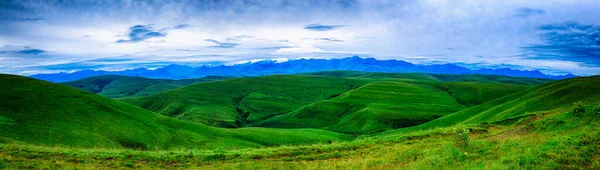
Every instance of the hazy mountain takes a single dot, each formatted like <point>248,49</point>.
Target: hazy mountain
<point>270,67</point>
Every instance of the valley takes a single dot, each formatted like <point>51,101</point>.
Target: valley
<point>332,119</point>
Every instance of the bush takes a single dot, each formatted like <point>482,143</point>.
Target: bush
<point>596,110</point>
<point>461,138</point>
<point>578,108</point>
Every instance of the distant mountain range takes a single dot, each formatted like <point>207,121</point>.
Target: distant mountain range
<point>270,67</point>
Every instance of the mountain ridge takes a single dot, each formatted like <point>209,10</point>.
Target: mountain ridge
<point>272,67</point>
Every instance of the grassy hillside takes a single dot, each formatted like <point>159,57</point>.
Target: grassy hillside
<point>405,77</point>
<point>114,86</point>
<point>490,79</point>
<point>343,101</point>
<point>237,102</point>
<point>475,93</point>
<point>553,96</point>
<point>555,140</point>
<point>422,77</point>
<point>46,114</point>
<point>537,128</point>
<point>377,106</point>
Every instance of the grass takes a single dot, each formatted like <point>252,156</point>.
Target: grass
<point>237,102</point>
<point>553,96</point>
<point>550,126</point>
<point>558,140</point>
<point>373,107</point>
<point>47,114</point>
<point>491,79</point>
<point>476,93</point>
<point>114,86</point>
<point>320,100</point>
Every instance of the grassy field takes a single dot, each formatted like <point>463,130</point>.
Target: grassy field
<point>384,120</point>
<point>342,101</point>
<point>476,93</point>
<point>373,107</point>
<point>436,77</point>
<point>114,86</point>
<point>47,114</point>
<point>556,140</point>
<point>555,96</point>
<point>237,102</point>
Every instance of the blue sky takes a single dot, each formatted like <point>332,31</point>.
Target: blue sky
<point>554,36</point>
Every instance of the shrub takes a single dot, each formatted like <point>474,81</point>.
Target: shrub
<point>596,110</point>
<point>461,138</point>
<point>578,108</point>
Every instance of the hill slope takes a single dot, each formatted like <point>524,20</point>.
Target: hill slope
<point>554,96</point>
<point>349,102</point>
<point>114,86</point>
<point>492,79</point>
<point>475,93</point>
<point>532,129</point>
<point>236,102</point>
<point>377,106</point>
<point>47,114</point>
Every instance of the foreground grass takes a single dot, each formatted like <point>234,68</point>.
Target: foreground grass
<point>545,141</point>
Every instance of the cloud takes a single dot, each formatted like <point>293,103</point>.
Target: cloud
<point>300,48</point>
<point>221,44</point>
<point>320,27</point>
<point>110,60</point>
<point>20,51</point>
<point>498,30</point>
<point>30,19</point>
<point>239,37</point>
<point>568,41</point>
<point>74,66</point>
<point>527,12</point>
<point>182,26</point>
<point>32,51</point>
<point>140,33</point>
<point>329,39</point>
<point>276,47</point>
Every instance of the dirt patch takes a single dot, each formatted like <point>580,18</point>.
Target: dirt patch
<point>521,128</point>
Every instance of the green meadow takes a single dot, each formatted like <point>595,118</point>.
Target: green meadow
<point>323,120</point>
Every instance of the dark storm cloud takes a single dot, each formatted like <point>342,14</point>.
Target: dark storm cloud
<point>570,41</point>
<point>139,33</point>
<point>32,51</point>
<point>20,51</point>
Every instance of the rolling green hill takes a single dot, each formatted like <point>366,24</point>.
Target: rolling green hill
<point>490,79</point>
<point>550,97</point>
<point>237,102</point>
<point>475,93</point>
<point>114,86</point>
<point>423,77</point>
<point>385,105</point>
<point>343,101</point>
<point>533,128</point>
<point>551,136</point>
<point>377,106</point>
<point>46,114</point>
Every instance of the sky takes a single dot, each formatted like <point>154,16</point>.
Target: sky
<point>47,36</point>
